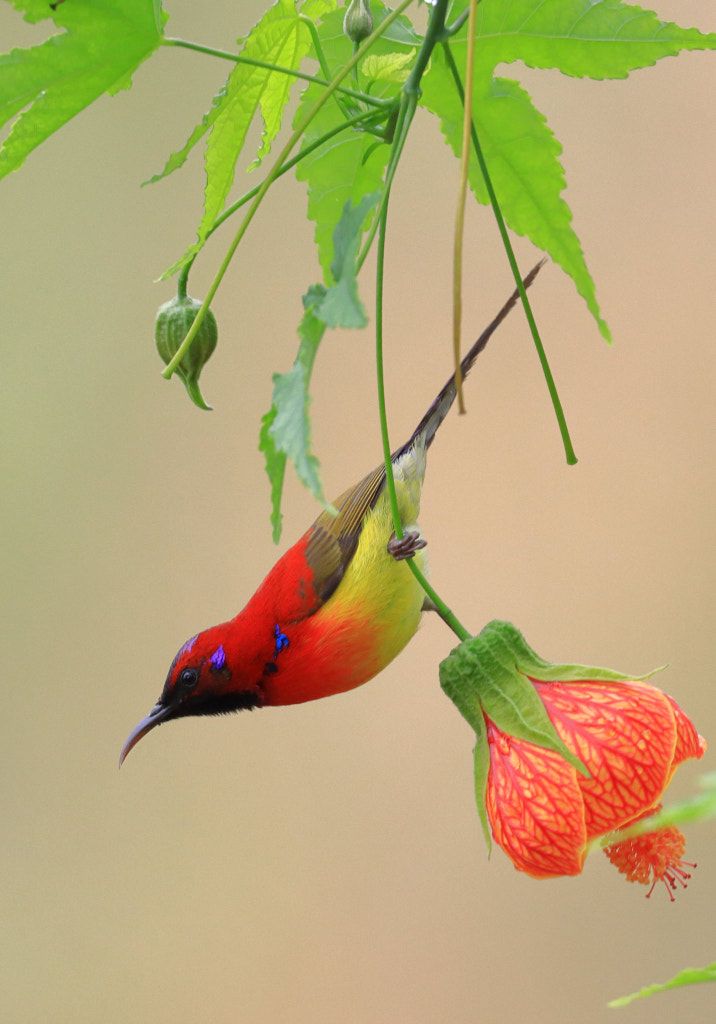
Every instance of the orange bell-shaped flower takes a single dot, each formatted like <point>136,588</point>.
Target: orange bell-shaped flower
<point>629,735</point>
<point>569,754</point>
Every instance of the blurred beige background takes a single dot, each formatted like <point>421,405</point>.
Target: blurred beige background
<point>324,863</point>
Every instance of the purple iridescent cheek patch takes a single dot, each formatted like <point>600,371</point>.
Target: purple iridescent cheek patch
<point>218,659</point>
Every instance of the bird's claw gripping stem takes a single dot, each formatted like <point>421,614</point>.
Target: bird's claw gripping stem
<point>407,546</point>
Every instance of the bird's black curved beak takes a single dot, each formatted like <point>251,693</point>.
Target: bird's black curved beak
<point>159,713</point>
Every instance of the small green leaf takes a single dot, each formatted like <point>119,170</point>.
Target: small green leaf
<point>689,976</point>
<point>341,306</point>
<point>390,67</point>
<point>275,464</point>
<point>285,428</point>
<point>104,42</point>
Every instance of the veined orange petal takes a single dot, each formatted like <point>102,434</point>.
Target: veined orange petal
<point>688,742</point>
<point>534,806</point>
<point>625,733</point>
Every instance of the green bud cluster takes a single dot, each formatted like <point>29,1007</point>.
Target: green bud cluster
<point>174,319</point>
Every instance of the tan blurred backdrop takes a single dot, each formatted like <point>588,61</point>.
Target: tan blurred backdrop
<point>324,863</point>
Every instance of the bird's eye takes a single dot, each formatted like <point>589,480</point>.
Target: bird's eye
<point>188,677</point>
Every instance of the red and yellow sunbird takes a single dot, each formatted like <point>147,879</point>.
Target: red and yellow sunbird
<point>335,609</point>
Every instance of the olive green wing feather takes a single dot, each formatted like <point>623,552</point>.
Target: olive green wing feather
<point>333,539</point>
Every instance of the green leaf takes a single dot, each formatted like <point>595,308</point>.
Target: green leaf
<point>278,38</point>
<point>689,976</point>
<point>391,67</point>
<point>286,429</point>
<point>482,672</point>
<point>275,464</point>
<point>341,306</point>
<point>601,39</point>
<point>598,39</point>
<point>103,43</point>
<point>351,165</point>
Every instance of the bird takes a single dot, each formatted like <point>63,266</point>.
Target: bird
<point>336,608</point>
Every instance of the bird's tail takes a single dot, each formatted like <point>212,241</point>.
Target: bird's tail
<point>429,424</point>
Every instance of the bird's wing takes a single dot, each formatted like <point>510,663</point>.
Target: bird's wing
<point>333,539</point>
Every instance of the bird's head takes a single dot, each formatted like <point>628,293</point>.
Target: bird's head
<point>206,677</point>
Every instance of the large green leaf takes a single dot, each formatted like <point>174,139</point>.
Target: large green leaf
<point>583,38</point>
<point>103,42</point>
<point>286,428</point>
<point>689,976</point>
<point>602,39</point>
<point>351,165</point>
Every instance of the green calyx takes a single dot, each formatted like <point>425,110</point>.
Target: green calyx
<point>174,318</point>
<point>358,22</point>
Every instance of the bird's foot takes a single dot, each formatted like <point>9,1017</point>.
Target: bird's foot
<point>407,546</point>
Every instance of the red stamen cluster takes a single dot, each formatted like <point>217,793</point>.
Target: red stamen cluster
<point>652,858</point>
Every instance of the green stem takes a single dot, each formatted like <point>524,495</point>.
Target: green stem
<point>271,177</point>
<point>372,116</point>
<point>433,34</point>
<point>442,609</point>
<point>321,58</point>
<point>253,62</point>
<point>551,386</point>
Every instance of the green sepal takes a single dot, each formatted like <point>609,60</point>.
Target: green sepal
<point>485,669</point>
<point>511,646</point>
<point>481,761</point>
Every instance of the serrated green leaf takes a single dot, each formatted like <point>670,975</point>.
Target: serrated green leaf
<point>341,306</point>
<point>103,44</point>
<point>689,976</point>
<point>581,38</point>
<point>179,157</point>
<point>523,157</point>
<point>285,428</point>
<point>391,67</point>
<point>278,38</point>
<point>597,39</point>
<point>350,166</point>
<point>275,465</point>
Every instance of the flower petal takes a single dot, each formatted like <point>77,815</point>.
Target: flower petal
<point>534,806</point>
<point>626,734</point>
<point>688,742</point>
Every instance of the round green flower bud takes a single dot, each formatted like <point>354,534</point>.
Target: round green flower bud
<point>358,22</point>
<point>174,319</point>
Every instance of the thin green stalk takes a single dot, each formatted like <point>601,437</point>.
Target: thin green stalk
<point>271,177</point>
<point>442,609</point>
<point>371,116</point>
<point>460,211</point>
<point>551,386</point>
<point>406,112</point>
<point>237,58</point>
<point>323,63</point>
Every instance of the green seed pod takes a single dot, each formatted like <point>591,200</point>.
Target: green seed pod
<point>173,321</point>
<point>358,22</point>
